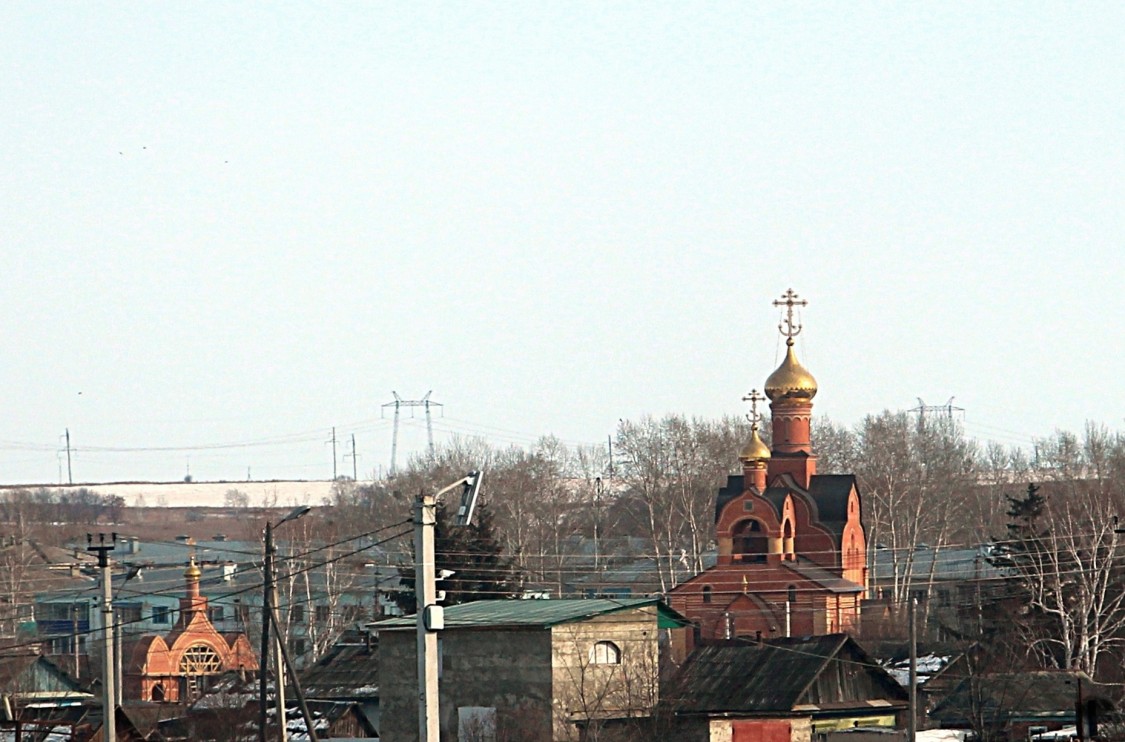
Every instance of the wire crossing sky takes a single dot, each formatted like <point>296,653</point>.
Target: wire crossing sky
<point>233,224</point>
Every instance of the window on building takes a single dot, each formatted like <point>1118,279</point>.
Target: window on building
<point>605,653</point>
<point>323,614</point>
<point>200,659</point>
<point>297,614</point>
<point>160,614</point>
<point>127,613</point>
<point>792,594</point>
<point>297,645</point>
<point>216,613</point>
<point>706,593</point>
<point>476,724</point>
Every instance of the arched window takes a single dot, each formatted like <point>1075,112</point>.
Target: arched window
<point>200,659</point>
<point>605,653</point>
<point>706,593</point>
<point>158,693</point>
<point>750,542</point>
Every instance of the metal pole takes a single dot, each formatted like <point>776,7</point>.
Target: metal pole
<point>912,722</point>
<point>263,663</point>
<point>425,591</point>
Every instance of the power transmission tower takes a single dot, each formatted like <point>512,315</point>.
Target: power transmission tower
<point>398,404</point>
<point>946,410</point>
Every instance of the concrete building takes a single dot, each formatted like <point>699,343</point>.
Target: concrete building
<point>528,669</point>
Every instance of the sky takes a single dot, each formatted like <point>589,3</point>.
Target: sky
<point>226,228</point>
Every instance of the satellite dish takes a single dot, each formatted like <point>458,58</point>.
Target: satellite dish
<point>469,498</point>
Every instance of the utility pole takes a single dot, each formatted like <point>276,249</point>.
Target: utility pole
<point>398,403</point>
<point>353,457</point>
<point>355,471</point>
<point>333,441</point>
<point>912,721</point>
<point>69,473</point>
<point>430,616</point>
<point>269,599</point>
<point>109,702</point>
<point>609,439</point>
<point>279,661</point>
<point>264,654</point>
<point>425,590</point>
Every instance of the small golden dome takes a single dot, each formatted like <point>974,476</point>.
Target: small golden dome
<point>193,572</point>
<point>791,380</point>
<point>755,450</point>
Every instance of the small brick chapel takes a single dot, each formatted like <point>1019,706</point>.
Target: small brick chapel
<point>178,667</point>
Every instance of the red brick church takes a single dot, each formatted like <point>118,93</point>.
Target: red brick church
<point>178,667</point>
<point>792,551</point>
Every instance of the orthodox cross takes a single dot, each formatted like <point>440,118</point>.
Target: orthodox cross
<point>787,326</point>
<point>754,398</point>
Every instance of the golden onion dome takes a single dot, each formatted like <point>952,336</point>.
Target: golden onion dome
<point>755,450</point>
<point>193,572</point>
<point>791,380</point>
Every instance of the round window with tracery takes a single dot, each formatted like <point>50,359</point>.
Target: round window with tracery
<point>200,659</point>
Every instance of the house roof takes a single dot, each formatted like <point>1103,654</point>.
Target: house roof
<point>348,670</point>
<point>942,563</point>
<point>18,674</point>
<point>822,576</point>
<point>1034,695</point>
<point>493,614</point>
<point>770,677</point>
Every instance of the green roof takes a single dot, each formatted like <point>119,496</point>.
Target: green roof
<point>491,614</point>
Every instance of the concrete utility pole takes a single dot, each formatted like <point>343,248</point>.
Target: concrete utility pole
<point>109,701</point>
<point>430,616</point>
<point>425,588</point>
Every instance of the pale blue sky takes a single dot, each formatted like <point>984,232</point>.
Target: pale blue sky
<point>230,223</point>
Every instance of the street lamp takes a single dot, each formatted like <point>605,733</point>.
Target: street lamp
<point>269,599</point>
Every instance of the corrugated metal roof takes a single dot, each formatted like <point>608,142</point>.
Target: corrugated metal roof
<point>491,614</point>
